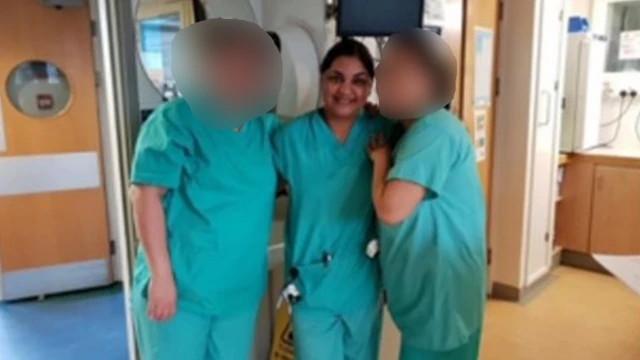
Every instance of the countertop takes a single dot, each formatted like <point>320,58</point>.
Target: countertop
<point>613,152</point>
<point>607,156</point>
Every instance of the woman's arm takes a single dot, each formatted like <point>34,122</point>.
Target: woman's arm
<point>151,227</point>
<point>151,230</point>
<point>394,201</point>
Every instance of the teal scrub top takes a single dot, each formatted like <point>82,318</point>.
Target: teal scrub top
<point>434,262</point>
<point>219,206</point>
<point>330,212</point>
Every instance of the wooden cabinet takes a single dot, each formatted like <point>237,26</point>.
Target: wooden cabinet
<point>615,219</point>
<point>573,213</point>
<point>600,208</point>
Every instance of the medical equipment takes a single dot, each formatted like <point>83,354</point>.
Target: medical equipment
<point>583,89</point>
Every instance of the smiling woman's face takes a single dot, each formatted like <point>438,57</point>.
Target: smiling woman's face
<point>346,86</point>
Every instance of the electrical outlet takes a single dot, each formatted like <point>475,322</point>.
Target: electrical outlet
<point>619,85</point>
<point>608,90</point>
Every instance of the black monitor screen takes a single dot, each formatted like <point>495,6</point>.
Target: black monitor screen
<point>378,17</point>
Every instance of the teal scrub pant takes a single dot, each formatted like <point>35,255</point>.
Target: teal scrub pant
<point>324,335</point>
<point>191,336</point>
<point>468,351</point>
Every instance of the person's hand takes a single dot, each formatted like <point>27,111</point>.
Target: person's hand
<point>379,150</point>
<point>372,109</point>
<point>163,298</point>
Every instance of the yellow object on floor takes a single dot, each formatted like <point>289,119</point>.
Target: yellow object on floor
<point>282,347</point>
<point>581,315</point>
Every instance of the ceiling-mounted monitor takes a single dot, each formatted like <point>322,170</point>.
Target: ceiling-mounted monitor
<point>378,17</point>
<point>435,29</point>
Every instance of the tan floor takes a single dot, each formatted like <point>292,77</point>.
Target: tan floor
<point>580,316</point>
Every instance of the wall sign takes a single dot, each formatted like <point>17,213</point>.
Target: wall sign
<point>434,10</point>
<point>629,45</point>
<point>480,137</point>
<point>44,101</point>
<point>483,67</point>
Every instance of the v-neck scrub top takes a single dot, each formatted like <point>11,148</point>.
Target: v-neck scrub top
<point>330,212</point>
<point>434,262</point>
<point>218,208</point>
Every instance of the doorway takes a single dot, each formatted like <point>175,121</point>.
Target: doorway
<point>55,239</point>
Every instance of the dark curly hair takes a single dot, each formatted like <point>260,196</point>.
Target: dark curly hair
<point>351,48</point>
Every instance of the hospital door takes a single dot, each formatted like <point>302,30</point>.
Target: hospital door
<point>551,42</point>
<point>53,217</point>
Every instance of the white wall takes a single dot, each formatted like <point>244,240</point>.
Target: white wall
<point>580,7</point>
<point>626,136</point>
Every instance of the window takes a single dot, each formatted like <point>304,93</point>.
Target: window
<point>156,35</point>
<point>623,17</point>
<point>38,89</point>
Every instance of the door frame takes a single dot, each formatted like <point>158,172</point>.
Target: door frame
<point>557,114</point>
<point>115,133</point>
<point>495,105</point>
<point>469,23</point>
<point>102,187</point>
<point>115,46</point>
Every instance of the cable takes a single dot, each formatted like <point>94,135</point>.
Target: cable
<point>615,135</point>
<point>618,122</point>
<point>621,114</point>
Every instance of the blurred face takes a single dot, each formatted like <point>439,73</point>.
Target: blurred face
<point>229,71</point>
<point>404,87</point>
<point>346,85</point>
<point>237,76</point>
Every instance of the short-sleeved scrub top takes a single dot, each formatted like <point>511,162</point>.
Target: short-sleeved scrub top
<point>219,206</point>
<point>434,262</point>
<point>331,217</point>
